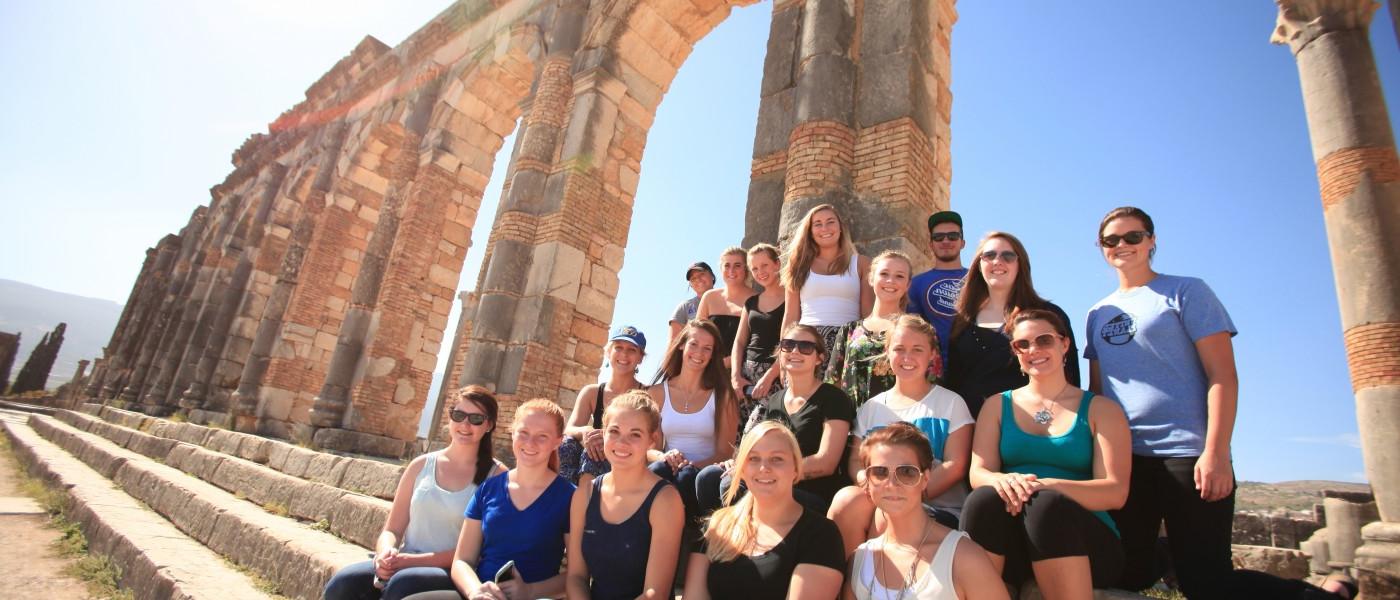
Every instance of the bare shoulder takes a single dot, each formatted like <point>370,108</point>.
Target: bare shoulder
<point>1105,409</point>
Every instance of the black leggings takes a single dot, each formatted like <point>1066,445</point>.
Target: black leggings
<point>1050,525</point>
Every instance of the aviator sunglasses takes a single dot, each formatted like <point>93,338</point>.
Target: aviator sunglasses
<point>1132,237</point>
<point>802,346</point>
<point>905,475</point>
<point>1006,256</point>
<point>1041,342</point>
<point>458,416</point>
<point>951,236</point>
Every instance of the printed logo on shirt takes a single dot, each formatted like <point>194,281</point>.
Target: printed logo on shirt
<point>1119,330</point>
<point>942,296</point>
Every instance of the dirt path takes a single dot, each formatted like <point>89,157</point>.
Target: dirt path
<point>34,571</point>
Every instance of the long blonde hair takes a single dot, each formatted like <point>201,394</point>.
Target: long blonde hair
<point>802,250</point>
<point>731,530</point>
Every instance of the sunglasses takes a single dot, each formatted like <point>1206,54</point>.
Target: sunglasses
<point>905,475</point>
<point>802,346</point>
<point>1006,256</point>
<point>1132,237</point>
<point>951,236</point>
<point>1041,342</point>
<point>458,416</point>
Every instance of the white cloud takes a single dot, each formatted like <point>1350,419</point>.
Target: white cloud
<point>1350,440</point>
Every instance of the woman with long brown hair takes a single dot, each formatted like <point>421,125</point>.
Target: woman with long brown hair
<point>699,419</point>
<point>980,361</point>
<point>825,278</point>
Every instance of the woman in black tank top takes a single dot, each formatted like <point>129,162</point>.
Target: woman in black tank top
<point>725,306</point>
<point>756,342</point>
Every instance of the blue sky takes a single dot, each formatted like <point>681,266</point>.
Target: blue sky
<point>119,117</point>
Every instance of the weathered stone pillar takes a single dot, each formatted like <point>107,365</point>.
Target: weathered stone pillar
<point>1359,175</point>
<point>75,384</point>
<point>115,352</point>
<point>246,402</point>
<point>1346,514</point>
<point>453,372</point>
<point>1318,549</point>
<point>196,396</point>
<point>854,112</point>
<point>328,408</point>
<point>160,337</point>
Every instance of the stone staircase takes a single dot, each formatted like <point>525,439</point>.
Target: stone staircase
<point>178,505</point>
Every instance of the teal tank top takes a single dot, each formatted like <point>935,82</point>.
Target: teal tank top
<point>1069,455</point>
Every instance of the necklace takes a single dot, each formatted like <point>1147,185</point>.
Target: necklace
<point>906,582</point>
<point>1045,415</point>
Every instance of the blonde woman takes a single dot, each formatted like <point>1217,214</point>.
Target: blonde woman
<point>498,532</point>
<point>581,455</point>
<point>626,514</point>
<point>766,545</point>
<point>825,279</point>
<point>756,342</point>
<point>725,306</point>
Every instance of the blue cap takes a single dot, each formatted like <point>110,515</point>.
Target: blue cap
<point>628,333</point>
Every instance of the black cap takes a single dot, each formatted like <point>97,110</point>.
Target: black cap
<point>946,216</point>
<point>699,266</point>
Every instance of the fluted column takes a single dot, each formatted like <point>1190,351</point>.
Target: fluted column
<point>1359,175</point>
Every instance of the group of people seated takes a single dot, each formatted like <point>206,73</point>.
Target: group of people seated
<point>829,425</point>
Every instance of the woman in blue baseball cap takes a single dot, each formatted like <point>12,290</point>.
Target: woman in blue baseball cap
<point>581,453</point>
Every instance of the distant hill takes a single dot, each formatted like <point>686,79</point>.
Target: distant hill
<point>1290,495</point>
<point>33,311</point>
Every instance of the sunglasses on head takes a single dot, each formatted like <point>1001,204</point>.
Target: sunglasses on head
<point>458,416</point>
<point>1006,256</point>
<point>1041,342</point>
<point>802,346</point>
<point>1132,237</point>
<point>906,475</point>
<point>951,236</point>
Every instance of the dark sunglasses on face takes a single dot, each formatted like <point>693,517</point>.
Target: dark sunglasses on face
<point>905,475</point>
<point>1041,342</point>
<point>1132,237</point>
<point>1006,256</point>
<point>802,346</point>
<point>458,416</point>
<point>951,236</point>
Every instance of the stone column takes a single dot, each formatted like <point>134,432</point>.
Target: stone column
<point>74,393</point>
<point>1359,175</point>
<point>1346,514</point>
<point>157,341</point>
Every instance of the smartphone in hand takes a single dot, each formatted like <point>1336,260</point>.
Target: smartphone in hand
<point>507,572</point>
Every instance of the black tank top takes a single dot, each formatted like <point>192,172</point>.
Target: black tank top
<point>728,326</point>
<point>763,331</point>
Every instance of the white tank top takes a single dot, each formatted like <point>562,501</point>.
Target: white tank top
<point>831,300</point>
<point>693,434</point>
<point>435,515</point>
<point>936,584</point>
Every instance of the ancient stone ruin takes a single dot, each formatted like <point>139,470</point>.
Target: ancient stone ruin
<point>34,375</point>
<point>9,348</point>
<point>308,298</point>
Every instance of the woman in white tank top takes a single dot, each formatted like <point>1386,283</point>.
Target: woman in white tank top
<point>699,416</point>
<point>414,551</point>
<point>825,278</point>
<point>914,558</point>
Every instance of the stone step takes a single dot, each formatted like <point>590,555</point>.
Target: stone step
<point>352,516</point>
<point>294,557</point>
<point>157,561</point>
<point>362,475</point>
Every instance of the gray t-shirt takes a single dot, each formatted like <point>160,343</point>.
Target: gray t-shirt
<point>1145,342</point>
<point>685,311</point>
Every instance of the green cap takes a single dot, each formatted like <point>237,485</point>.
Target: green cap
<point>946,216</point>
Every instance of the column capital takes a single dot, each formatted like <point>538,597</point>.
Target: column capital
<point>1302,21</point>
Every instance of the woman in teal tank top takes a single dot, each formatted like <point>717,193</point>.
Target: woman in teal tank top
<point>1048,461</point>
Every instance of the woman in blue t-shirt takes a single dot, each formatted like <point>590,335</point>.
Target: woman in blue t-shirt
<point>497,532</point>
<point>1047,460</point>
<point>625,525</point>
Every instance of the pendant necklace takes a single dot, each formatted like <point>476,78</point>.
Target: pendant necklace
<point>1044,416</point>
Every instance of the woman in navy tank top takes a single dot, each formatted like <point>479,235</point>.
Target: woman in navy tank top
<point>625,526</point>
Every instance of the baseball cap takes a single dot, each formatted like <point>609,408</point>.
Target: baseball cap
<point>628,333</point>
<point>946,216</point>
<point>699,266</point>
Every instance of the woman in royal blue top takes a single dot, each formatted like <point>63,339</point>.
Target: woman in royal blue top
<point>625,526</point>
<point>1047,460</point>
<point>498,530</point>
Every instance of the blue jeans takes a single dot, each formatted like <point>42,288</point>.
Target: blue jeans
<point>684,480</point>
<point>356,582</point>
